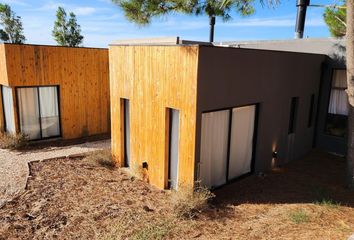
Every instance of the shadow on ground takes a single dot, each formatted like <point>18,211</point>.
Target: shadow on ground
<point>318,177</point>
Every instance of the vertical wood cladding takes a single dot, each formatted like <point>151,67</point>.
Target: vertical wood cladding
<point>154,78</point>
<point>81,73</point>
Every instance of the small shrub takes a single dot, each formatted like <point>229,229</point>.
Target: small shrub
<point>10,141</point>
<point>299,216</point>
<point>320,193</point>
<point>188,203</point>
<point>329,203</point>
<point>102,158</point>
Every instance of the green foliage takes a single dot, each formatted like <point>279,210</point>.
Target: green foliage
<point>12,26</point>
<point>336,21</point>
<point>67,32</point>
<point>329,203</point>
<point>142,11</point>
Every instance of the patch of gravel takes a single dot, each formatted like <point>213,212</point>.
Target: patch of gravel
<point>14,169</point>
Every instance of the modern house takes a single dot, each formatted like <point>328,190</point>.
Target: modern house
<point>190,111</point>
<point>54,92</point>
<point>331,123</point>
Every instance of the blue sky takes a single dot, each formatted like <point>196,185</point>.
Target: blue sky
<point>102,22</point>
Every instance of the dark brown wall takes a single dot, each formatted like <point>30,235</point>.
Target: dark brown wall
<point>235,77</point>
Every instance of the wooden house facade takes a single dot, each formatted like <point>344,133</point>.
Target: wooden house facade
<point>54,92</point>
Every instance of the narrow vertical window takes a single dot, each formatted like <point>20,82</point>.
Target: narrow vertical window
<point>293,112</point>
<point>125,112</point>
<point>312,104</point>
<point>173,147</point>
<point>337,116</point>
<point>8,109</point>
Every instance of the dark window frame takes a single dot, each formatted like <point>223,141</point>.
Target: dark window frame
<point>311,111</point>
<point>294,108</point>
<point>254,141</point>
<point>124,102</point>
<point>328,102</point>
<point>39,106</point>
<point>169,143</point>
<point>3,107</point>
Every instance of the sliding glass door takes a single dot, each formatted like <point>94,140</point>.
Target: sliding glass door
<point>241,144</point>
<point>49,111</point>
<point>227,138</point>
<point>214,147</point>
<point>39,112</point>
<point>8,108</point>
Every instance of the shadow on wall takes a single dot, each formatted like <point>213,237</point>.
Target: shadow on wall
<point>339,53</point>
<point>318,177</point>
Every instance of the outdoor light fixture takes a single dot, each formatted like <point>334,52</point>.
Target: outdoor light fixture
<point>275,154</point>
<point>145,165</point>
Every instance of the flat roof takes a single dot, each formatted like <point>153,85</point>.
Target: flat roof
<point>160,41</point>
<point>44,45</point>
<point>327,46</point>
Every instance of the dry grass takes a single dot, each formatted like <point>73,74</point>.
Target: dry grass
<point>187,203</point>
<point>127,228</point>
<point>10,141</point>
<point>299,216</point>
<point>102,158</point>
<point>80,199</point>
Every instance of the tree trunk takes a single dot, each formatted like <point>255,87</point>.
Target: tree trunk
<point>350,91</point>
<point>211,31</point>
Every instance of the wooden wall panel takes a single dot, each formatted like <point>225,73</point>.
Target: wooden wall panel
<point>83,78</point>
<point>3,81</point>
<point>154,78</point>
<point>3,70</point>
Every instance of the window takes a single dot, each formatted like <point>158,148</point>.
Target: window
<point>227,144</point>
<point>8,109</point>
<point>173,147</point>
<point>39,112</point>
<point>125,113</point>
<point>337,116</point>
<point>293,113</point>
<point>312,103</point>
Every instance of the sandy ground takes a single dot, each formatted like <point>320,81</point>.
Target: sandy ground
<point>14,164</point>
<point>76,199</point>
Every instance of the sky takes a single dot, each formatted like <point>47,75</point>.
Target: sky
<point>102,22</point>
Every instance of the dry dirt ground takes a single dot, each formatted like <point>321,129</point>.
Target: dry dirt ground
<point>81,199</point>
<point>14,163</point>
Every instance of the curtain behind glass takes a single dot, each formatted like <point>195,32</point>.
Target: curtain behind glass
<point>49,107</point>
<point>8,110</point>
<point>338,103</point>
<point>174,146</point>
<point>29,112</point>
<point>214,141</point>
<point>242,129</point>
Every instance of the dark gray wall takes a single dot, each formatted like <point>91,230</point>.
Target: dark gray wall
<point>229,77</point>
<point>324,141</point>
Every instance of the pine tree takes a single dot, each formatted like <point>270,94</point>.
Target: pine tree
<point>67,32</point>
<point>335,18</point>
<point>142,11</point>
<point>12,26</point>
<point>74,32</point>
